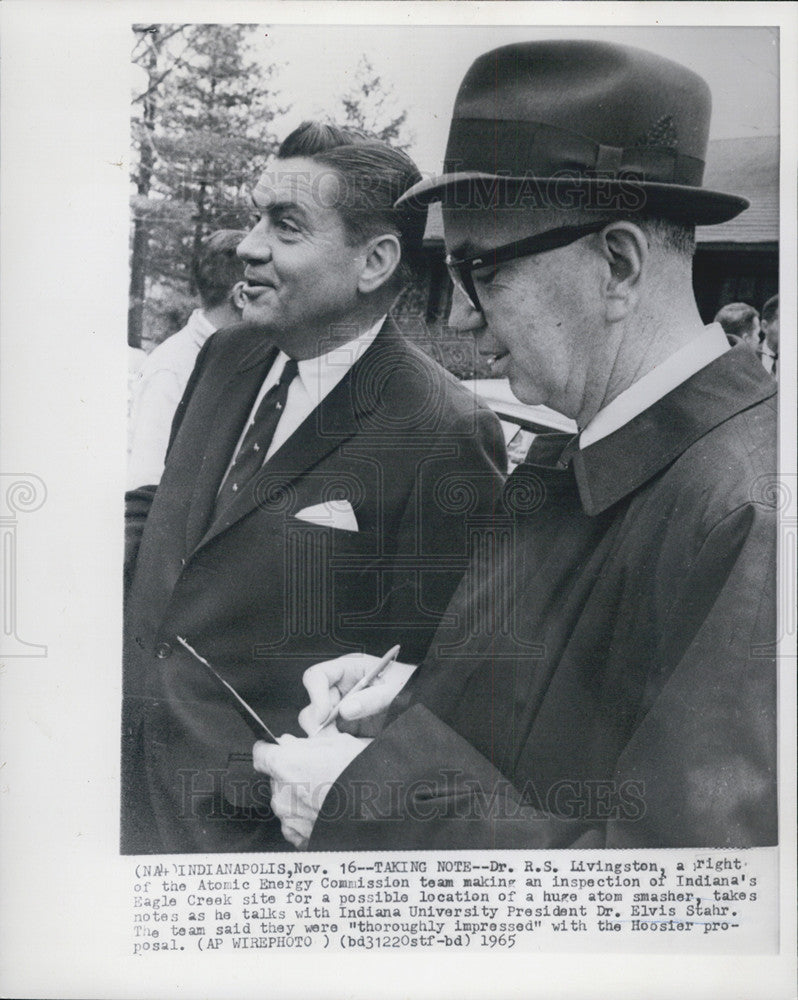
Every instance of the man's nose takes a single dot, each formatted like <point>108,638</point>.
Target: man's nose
<point>462,315</point>
<point>255,246</point>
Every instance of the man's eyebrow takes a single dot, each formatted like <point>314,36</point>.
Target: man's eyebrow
<point>274,208</point>
<point>285,205</point>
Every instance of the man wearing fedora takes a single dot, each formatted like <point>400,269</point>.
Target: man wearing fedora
<point>607,676</point>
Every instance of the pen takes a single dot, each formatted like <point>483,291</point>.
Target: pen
<point>240,703</point>
<point>364,681</point>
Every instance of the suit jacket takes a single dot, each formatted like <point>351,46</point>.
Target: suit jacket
<point>620,688</point>
<point>262,594</point>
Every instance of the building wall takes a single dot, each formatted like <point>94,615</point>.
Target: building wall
<point>726,275</point>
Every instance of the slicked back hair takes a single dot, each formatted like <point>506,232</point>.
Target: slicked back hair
<point>312,137</point>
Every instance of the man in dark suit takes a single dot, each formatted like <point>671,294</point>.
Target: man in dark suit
<point>605,675</point>
<point>322,479</point>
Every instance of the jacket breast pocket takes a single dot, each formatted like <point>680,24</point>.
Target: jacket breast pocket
<point>338,543</point>
<point>334,579</point>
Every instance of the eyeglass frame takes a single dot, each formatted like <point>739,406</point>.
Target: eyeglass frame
<point>460,271</point>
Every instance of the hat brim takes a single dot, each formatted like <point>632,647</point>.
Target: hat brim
<point>680,202</point>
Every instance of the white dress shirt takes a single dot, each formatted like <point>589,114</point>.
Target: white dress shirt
<point>661,380</point>
<point>315,379</point>
<point>157,390</point>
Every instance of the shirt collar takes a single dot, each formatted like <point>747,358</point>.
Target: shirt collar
<point>321,374</point>
<point>679,367</point>
<point>620,463</point>
<point>200,326</point>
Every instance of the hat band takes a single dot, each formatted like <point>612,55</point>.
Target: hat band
<point>534,149</point>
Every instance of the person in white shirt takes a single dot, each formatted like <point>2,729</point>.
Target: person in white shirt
<point>135,359</point>
<point>217,274</point>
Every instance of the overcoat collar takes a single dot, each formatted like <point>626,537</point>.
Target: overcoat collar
<point>620,463</point>
<point>617,465</point>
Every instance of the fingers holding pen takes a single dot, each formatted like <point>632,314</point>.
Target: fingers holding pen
<point>327,683</point>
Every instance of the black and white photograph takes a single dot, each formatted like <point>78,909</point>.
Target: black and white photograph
<point>412,566</point>
<point>581,660</point>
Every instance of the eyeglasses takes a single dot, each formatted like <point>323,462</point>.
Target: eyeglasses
<point>461,270</point>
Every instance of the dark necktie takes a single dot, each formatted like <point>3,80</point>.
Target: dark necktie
<point>252,453</point>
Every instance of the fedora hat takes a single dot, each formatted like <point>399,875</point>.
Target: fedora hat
<point>580,124</point>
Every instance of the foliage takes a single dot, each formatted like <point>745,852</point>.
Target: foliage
<point>370,106</point>
<point>201,133</point>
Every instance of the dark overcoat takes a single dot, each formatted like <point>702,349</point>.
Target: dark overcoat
<point>609,677</point>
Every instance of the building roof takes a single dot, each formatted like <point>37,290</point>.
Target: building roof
<point>747,166</point>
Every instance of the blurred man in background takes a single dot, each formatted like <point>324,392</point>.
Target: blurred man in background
<point>740,320</point>
<point>770,328</point>
<point>217,274</point>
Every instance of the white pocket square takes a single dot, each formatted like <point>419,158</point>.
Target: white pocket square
<point>331,514</point>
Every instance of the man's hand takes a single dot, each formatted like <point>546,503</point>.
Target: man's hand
<point>302,772</point>
<point>363,713</point>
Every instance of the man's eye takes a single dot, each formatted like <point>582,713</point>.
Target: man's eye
<point>286,226</point>
<point>484,275</point>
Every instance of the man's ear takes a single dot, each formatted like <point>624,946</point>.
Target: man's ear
<point>237,296</point>
<point>626,252</point>
<point>381,259</point>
